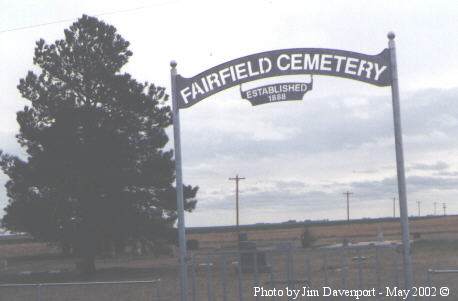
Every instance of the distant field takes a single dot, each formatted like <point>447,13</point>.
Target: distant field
<point>436,227</point>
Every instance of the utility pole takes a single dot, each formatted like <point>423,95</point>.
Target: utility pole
<point>348,193</point>
<point>418,203</point>
<point>237,179</point>
<point>444,206</point>
<point>435,208</point>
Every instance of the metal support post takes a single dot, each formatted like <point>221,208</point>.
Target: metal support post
<point>408,278</point>
<point>179,185</point>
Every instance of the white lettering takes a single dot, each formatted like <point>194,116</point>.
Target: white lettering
<point>325,62</point>
<point>204,83</point>
<point>365,66</point>
<point>280,66</point>
<point>350,66</point>
<point>231,68</point>
<point>196,89</point>
<point>185,93</point>
<point>261,65</point>
<point>240,71</point>
<point>378,71</point>
<point>296,61</point>
<point>223,74</point>
<point>250,70</point>
<point>213,79</point>
<point>339,61</point>
<point>311,64</point>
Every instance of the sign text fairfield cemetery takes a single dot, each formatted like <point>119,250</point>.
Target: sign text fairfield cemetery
<point>373,69</point>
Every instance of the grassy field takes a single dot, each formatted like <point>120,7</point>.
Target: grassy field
<point>439,227</point>
<point>435,246</point>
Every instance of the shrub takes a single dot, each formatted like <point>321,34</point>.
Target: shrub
<point>307,238</point>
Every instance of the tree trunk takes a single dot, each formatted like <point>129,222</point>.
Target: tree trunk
<point>119,246</point>
<point>66,249</point>
<point>86,262</point>
<point>86,266</point>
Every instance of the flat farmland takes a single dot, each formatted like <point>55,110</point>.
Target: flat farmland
<point>326,233</point>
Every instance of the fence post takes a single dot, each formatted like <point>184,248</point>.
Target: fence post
<point>193,275</point>
<point>360,268</point>
<point>308,270</point>
<point>272,282</point>
<point>290,265</point>
<point>39,288</point>
<point>209,279</point>
<point>158,296</point>
<point>325,267</point>
<point>256,273</point>
<point>239,275</point>
<point>396,268</point>
<point>377,267</point>
<point>428,280</point>
<point>288,268</point>
<point>344,269</point>
<point>224,276</point>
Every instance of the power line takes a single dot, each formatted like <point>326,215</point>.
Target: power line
<point>72,19</point>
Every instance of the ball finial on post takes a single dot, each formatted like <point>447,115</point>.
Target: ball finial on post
<point>173,64</point>
<point>391,35</point>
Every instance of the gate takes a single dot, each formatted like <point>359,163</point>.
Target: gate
<point>255,274</point>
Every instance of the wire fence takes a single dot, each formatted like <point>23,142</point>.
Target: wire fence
<point>144,290</point>
<point>245,274</point>
<point>253,273</point>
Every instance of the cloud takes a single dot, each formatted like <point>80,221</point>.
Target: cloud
<point>438,166</point>
<point>447,173</point>
<point>419,183</point>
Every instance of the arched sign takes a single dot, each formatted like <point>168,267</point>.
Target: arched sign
<point>372,69</point>
<point>379,70</point>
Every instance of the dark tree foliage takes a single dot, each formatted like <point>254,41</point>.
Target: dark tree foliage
<point>97,174</point>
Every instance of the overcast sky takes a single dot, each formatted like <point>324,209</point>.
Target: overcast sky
<point>297,157</point>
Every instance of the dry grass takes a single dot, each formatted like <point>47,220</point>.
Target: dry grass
<point>437,248</point>
<point>26,249</point>
<point>431,227</point>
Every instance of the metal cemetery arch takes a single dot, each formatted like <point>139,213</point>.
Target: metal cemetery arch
<point>379,70</point>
